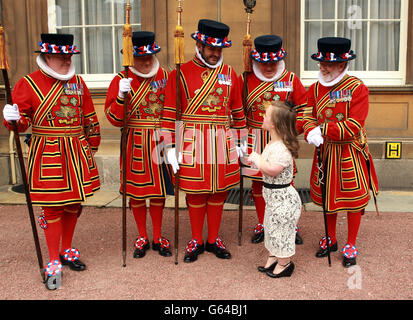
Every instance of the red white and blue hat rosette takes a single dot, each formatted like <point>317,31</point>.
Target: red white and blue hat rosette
<point>333,49</point>
<point>57,43</point>
<point>144,43</point>
<point>212,33</point>
<point>268,48</point>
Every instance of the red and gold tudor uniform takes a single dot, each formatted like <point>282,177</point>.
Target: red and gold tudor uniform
<point>349,172</point>
<point>65,132</point>
<point>144,177</point>
<point>61,168</point>
<point>208,146</point>
<point>343,110</point>
<point>286,86</point>
<point>210,106</point>
<point>147,176</point>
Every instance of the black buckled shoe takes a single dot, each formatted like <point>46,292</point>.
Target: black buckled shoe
<point>71,258</point>
<point>323,252</point>
<point>163,247</point>
<point>218,248</point>
<point>193,249</point>
<point>258,233</point>
<point>287,272</point>
<point>141,245</point>
<point>270,268</point>
<point>350,253</point>
<point>347,263</point>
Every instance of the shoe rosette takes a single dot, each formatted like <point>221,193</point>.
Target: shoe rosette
<point>259,228</point>
<point>192,245</point>
<point>71,254</point>
<point>141,242</point>
<point>164,243</point>
<point>350,251</point>
<point>323,243</point>
<point>220,244</point>
<point>53,268</point>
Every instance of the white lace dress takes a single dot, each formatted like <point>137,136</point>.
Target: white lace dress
<point>282,206</point>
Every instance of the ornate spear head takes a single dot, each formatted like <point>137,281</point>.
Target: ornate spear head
<point>247,42</point>
<point>249,5</point>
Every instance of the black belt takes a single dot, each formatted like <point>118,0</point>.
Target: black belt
<point>276,186</point>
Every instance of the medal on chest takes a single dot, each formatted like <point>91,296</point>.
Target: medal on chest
<point>224,79</point>
<point>158,85</point>
<point>340,96</point>
<point>71,89</point>
<point>283,86</point>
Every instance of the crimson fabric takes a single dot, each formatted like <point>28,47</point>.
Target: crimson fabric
<point>145,177</point>
<point>348,165</point>
<point>61,168</point>
<point>209,110</point>
<point>331,225</point>
<point>139,213</point>
<point>156,211</point>
<point>210,204</point>
<point>197,211</point>
<point>53,232</point>
<point>69,221</point>
<point>215,206</point>
<point>353,224</point>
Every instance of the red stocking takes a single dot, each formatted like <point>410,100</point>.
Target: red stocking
<point>53,231</point>
<point>331,225</point>
<point>139,213</point>
<point>197,210</point>
<point>353,224</point>
<point>156,210</point>
<point>214,214</point>
<point>69,220</point>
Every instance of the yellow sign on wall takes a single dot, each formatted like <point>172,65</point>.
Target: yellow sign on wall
<point>393,150</point>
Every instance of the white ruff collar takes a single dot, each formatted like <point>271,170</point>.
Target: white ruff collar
<point>150,74</point>
<point>49,71</point>
<point>333,82</point>
<point>259,75</point>
<point>198,54</point>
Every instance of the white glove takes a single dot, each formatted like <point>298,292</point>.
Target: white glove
<point>11,113</point>
<point>171,156</point>
<point>255,158</point>
<point>315,137</point>
<point>124,86</point>
<point>242,149</point>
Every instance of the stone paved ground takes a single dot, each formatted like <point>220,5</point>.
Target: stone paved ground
<point>384,270</point>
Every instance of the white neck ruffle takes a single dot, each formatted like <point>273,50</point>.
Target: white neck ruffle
<point>278,73</point>
<point>333,82</point>
<point>49,71</point>
<point>150,74</point>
